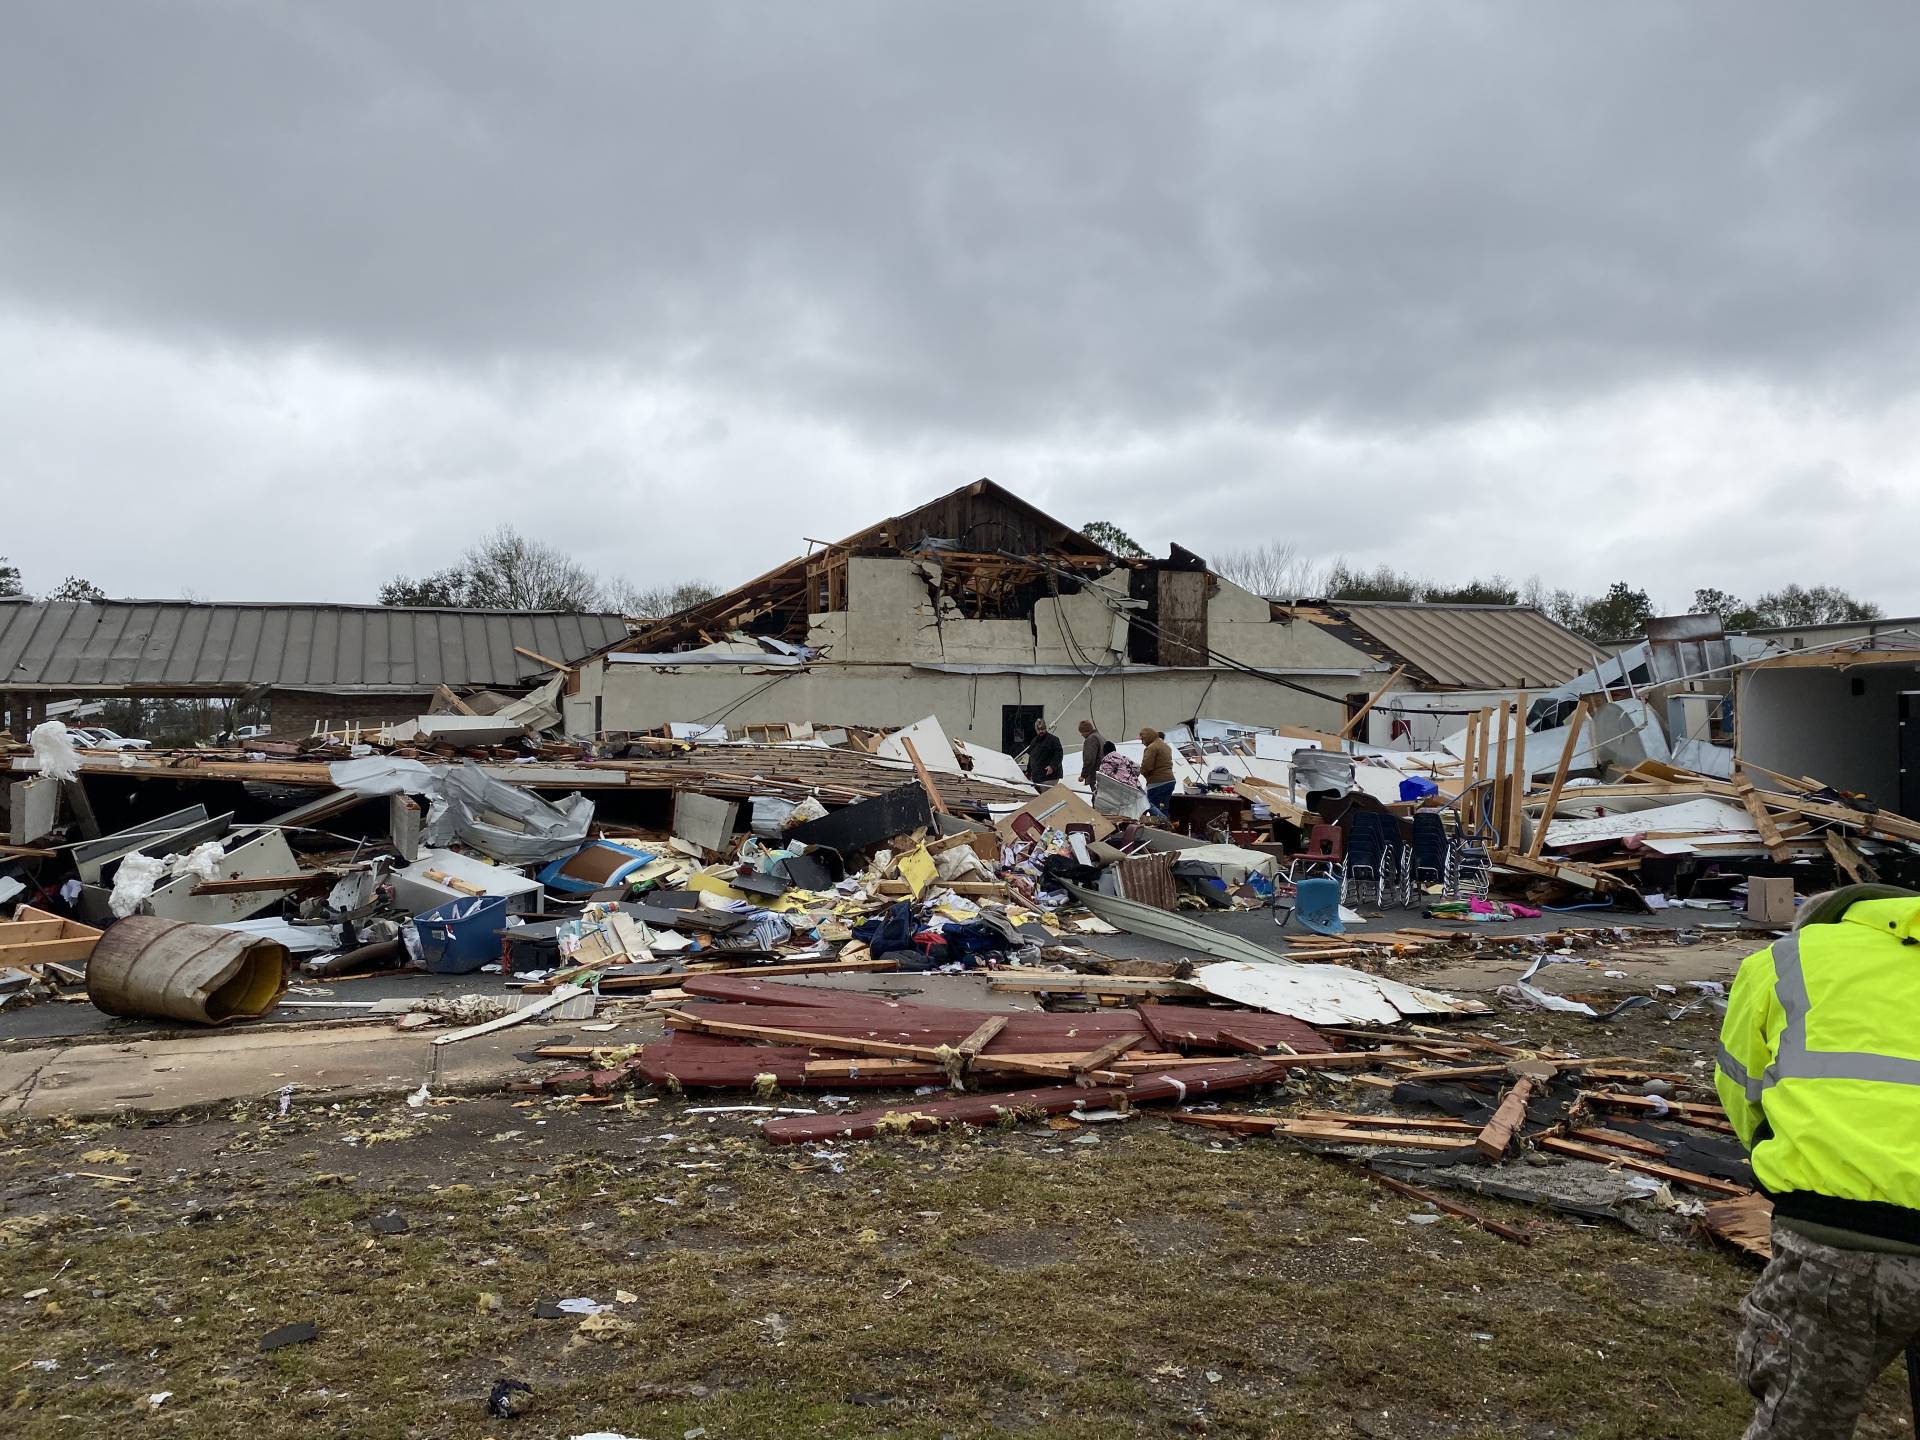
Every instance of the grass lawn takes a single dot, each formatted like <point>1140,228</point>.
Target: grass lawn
<point>1155,1282</point>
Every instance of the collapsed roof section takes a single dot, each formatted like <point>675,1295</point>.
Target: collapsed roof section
<point>997,555</point>
<point>1460,647</point>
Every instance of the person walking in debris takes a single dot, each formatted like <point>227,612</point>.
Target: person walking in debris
<point>1819,1071</point>
<point>1092,748</point>
<point>1043,755</point>
<point>1156,769</point>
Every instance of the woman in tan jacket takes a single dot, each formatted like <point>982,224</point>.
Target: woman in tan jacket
<point>1156,770</point>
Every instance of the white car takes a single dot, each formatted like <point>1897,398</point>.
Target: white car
<point>100,738</point>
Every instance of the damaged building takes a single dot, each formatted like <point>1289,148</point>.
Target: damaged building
<point>981,609</point>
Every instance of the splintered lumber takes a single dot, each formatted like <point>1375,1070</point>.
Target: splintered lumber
<point>1559,777</point>
<point>1496,1137</point>
<point>684,1020</point>
<point>1326,1134</point>
<point>1478,1072</point>
<point>926,779</point>
<point>1402,1122</point>
<point>1451,1207</point>
<point>247,883</point>
<point>715,969</point>
<point>958,887</point>
<point>1664,1172</point>
<point>1584,876</point>
<point>1105,1055</point>
<point>1359,716</point>
<point>1222,1075</point>
<point>1744,1222</point>
<point>970,1047</point>
<point>1620,1140</point>
<point>1763,820</point>
<point>1706,1117</point>
<point>1125,985</point>
<point>1849,859</point>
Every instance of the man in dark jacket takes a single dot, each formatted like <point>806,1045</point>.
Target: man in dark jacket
<point>1043,755</point>
<point>1092,747</point>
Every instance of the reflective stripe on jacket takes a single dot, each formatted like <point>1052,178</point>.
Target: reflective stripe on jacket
<point>1819,1063</point>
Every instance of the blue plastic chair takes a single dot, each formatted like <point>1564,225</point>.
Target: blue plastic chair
<point>1316,903</point>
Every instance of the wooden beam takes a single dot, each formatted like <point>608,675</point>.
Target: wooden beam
<point>1359,715</point>
<point>1648,1167</point>
<point>460,707</point>
<point>1499,774</point>
<point>1496,1137</point>
<point>1849,859</point>
<point>1326,1134</point>
<point>1574,727</point>
<point>1099,1058</point>
<point>1518,773</point>
<point>1763,820</point>
<point>1451,1207</point>
<point>536,655</point>
<point>681,1020</point>
<point>934,797</point>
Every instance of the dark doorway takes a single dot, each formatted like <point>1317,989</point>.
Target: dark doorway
<point>1016,726</point>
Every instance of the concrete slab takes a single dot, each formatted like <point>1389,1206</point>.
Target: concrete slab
<point>148,1076</point>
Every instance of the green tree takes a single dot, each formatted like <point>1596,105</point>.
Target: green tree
<point>1617,615</point>
<point>1734,613</point>
<point>1817,605</point>
<point>1380,583</point>
<point>1497,590</point>
<point>10,578</point>
<point>74,588</point>
<point>1110,536</point>
<point>445,588</point>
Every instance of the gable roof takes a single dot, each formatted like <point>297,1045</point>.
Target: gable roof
<point>978,518</point>
<point>122,646</point>
<point>1468,647</point>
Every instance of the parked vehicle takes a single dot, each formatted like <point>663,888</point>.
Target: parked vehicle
<point>96,737</point>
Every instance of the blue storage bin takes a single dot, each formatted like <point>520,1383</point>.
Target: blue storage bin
<point>462,935</point>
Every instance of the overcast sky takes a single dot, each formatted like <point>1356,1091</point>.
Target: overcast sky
<point>296,296</point>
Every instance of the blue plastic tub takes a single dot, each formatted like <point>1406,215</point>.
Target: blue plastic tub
<point>462,935</point>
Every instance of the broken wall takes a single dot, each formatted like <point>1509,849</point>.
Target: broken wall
<point>969,706</point>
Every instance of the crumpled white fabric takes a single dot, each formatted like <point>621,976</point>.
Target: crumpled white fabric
<point>54,751</point>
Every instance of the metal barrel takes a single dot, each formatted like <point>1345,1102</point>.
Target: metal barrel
<point>167,969</point>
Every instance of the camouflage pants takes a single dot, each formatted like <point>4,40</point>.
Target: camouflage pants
<point>1821,1325</point>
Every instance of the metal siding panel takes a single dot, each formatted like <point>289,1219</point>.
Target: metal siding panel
<point>156,645</point>
<point>376,634</point>
<point>296,647</point>
<point>448,657</point>
<point>247,661</point>
<point>178,665</point>
<point>483,659</point>
<point>323,655</point>
<point>215,661</point>
<point>402,648</point>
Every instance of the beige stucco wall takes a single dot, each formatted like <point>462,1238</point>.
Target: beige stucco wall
<point>895,615</point>
<point>634,697</point>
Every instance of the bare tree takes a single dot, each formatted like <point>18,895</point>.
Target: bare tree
<point>655,601</point>
<point>1271,569</point>
<point>503,571</point>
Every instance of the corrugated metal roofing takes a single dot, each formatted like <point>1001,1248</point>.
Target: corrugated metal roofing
<point>1473,647</point>
<point>161,644</point>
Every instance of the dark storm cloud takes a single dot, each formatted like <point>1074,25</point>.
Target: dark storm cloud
<point>1383,279</point>
<point>984,215</point>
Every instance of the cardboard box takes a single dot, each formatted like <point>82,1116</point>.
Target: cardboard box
<point>1770,901</point>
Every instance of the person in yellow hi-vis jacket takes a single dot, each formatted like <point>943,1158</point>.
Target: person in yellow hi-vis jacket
<point>1819,1070</point>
